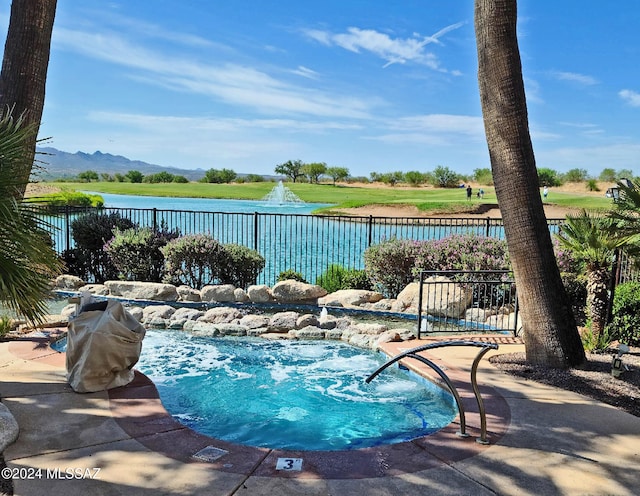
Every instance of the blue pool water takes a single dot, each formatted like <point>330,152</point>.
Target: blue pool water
<point>298,395</point>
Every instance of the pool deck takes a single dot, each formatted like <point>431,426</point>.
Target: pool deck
<point>543,441</point>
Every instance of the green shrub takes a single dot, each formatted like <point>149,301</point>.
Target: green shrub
<point>243,266</point>
<point>137,255</point>
<point>389,264</point>
<point>6,324</point>
<point>91,232</point>
<point>591,343</point>
<point>331,279</point>
<point>291,274</point>
<point>356,279</point>
<point>625,325</point>
<point>195,260</point>
<point>72,199</point>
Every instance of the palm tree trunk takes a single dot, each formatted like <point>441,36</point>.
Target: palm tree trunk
<point>598,300</point>
<point>551,336</point>
<point>24,68</point>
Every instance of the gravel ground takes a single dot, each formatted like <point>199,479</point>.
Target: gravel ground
<point>595,380</point>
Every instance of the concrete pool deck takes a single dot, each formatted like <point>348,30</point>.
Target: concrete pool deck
<point>544,441</point>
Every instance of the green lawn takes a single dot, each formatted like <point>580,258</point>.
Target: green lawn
<point>426,199</point>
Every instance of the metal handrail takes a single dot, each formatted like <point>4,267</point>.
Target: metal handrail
<point>413,353</point>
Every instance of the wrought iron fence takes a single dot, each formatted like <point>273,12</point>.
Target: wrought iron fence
<point>467,301</point>
<point>308,244</point>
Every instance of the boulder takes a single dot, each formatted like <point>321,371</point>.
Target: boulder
<point>283,321</point>
<point>95,289</point>
<point>221,315</point>
<point>9,429</point>
<point>350,298</point>
<point>255,321</point>
<point>187,313</point>
<point>205,329</point>
<point>390,336</point>
<point>135,290</point>
<point>291,291</point>
<point>441,297</point>
<point>232,329</point>
<point>186,293</point>
<point>307,320</point>
<point>152,312</point>
<point>136,312</point>
<point>240,295</point>
<point>259,293</point>
<point>370,329</point>
<point>308,332</point>
<point>219,292</point>
<point>68,282</point>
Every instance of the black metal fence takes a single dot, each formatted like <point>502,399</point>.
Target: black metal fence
<point>308,244</point>
<point>467,301</point>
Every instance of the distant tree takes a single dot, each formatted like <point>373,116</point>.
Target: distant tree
<point>575,176</point>
<point>119,178</point>
<point>88,176</point>
<point>483,176</point>
<point>134,176</point>
<point>106,177</point>
<point>415,178</point>
<point>219,176</point>
<point>313,171</point>
<point>624,174</point>
<point>374,177</point>
<point>291,169</point>
<point>254,178</point>
<point>180,179</point>
<point>548,177</point>
<point>607,175</point>
<point>391,178</point>
<point>444,177</point>
<point>337,173</point>
<point>160,177</point>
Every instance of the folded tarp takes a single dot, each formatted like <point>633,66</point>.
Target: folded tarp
<point>102,348</point>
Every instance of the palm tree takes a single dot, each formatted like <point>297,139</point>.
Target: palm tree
<point>24,70</point>
<point>551,335</point>
<point>27,258</point>
<point>590,238</point>
<point>626,217</point>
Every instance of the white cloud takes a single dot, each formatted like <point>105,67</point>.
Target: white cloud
<point>434,129</point>
<point>305,72</point>
<point>227,82</point>
<point>392,50</point>
<point>575,77</point>
<point>631,97</point>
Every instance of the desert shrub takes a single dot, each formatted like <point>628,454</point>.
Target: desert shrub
<point>243,266</point>
<point>625,325</point>
<point>356,279</point>
<point>6,324</point>
<point>90,232</point>
<point>389,264</point>
<point>194,260</point>
<point>464,252</point>
<point>288,274</point>
<point>331,279</point>
<point>136,253</point>
<point>93,230</point>
<point>572,272</point>
<point>72,199</point>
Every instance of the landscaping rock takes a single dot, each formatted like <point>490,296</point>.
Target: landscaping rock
<point>232,329</point>
<point>220,292</point>
<point>369,328</point>
<point>185,293</point>
<point>291,291</point>
<point>441,297</point>
<point>308,332</point>
<point>255,321</point>
<point>205,329</point>
<point>187,313</point>
<point>307,319</point>
<point>137,313</point>
<point>142,290</point>
<point>283,321</point>
<point>350,298</point>
<point>157,311</point>
<point>240,295</point>
<point>95,289</point>
<point>67,282</point>
<point>221,315</point>
<point>260,294</point>
<point>9,429</point>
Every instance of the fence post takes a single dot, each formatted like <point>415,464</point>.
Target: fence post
<point>256,216</point>
<point>67,227</point>
<point>155,219</point>
<point>370,230</point>
<point>488,226</point>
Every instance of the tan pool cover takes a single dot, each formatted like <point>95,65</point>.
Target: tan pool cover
<point>102,348</point>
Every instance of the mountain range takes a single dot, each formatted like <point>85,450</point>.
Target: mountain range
<point>57,164</point>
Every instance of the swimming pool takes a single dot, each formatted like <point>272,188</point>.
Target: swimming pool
<point>296,395</point>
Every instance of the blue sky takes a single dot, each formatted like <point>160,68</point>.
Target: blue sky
<point>371,85</point>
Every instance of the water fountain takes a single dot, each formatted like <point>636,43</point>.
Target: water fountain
<point>280,195</point>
